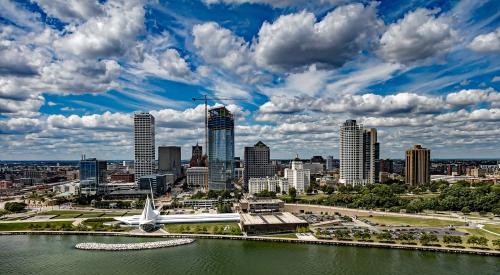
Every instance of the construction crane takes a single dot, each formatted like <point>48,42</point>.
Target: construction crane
<point>205,98</point>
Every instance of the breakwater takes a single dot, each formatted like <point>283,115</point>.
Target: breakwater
<point>132,246</point>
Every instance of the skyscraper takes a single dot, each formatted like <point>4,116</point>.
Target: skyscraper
<point>371,157</point>
<point>92,176</point>
<point>329,163</point>
<point>257,163</point>
<point>144,144</point>
<point>169,160</point>
<point>220,149</point>
<point>351,153</point>
<point>418,161</point>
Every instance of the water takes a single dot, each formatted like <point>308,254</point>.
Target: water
<point>57,255</point>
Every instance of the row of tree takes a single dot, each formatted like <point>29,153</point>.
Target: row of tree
<point>454,197</point>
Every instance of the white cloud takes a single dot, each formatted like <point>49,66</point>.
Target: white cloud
<point>298,39</point>
<point>111,34</point>
<point>418,36</point>
<point>71,10</point>
<point>220,46</point>
<point>471,97</point>
<point>278,3</point>
<point>167,64</point>
<point>487,43</point>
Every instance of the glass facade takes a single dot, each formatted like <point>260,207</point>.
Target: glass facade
<point>220,149</point>
<point>92,176</point>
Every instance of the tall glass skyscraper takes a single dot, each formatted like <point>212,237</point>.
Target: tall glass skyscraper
<point>92,176</point>
<point>220,149</point>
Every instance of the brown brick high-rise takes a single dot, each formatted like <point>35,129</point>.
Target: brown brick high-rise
<point>418,161</point>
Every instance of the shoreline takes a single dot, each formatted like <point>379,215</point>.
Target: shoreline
<point>265,239</point>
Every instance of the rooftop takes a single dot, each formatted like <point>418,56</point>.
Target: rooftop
<point>271,218</point>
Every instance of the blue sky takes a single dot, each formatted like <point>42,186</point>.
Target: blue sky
<point>73,72</point>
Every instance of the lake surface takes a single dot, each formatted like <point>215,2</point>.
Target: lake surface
<point>57,255</point>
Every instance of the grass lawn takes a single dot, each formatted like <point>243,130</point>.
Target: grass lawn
<point>132,213</point>
<point>284,235</point>
<point>91,215</point>
<point>391,220</point>
<point>28,225</point>
<point>311,197</point>
<point>113,214</point>
<point>205,228</point>
<point>492,228</point>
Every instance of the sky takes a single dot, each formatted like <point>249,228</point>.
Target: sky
<point>421,72</point>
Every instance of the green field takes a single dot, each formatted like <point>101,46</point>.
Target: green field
<point>31,225</point>
<point>311,197</point>
<point>204,228</point>
<point>492,228</point>
<point>411,221</point>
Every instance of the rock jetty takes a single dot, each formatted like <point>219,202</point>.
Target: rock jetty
<point>132,246</point>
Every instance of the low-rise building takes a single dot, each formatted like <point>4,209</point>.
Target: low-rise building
<point>197,177</point>
<point>270,223</point>
<point>159,183</point>
<point>257,185</point>
<point>5,184</point>
<point>72,188</point>
<point>205,203</point>
<point>261,205</point>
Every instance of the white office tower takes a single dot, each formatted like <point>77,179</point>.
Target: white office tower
<point>297,176</point>
<point>144,145</point>
<point>351,153</point>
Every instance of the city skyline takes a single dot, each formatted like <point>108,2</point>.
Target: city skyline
<point>420,73</point>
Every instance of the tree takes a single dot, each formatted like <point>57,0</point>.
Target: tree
<point>428,238</point>
<point>475,240</point>
<point>15,206</point>
<point>407,237</point>
<point>293,193</point>
<point>452,239</point>
<point>496,243</point>
<point>466,210</point>
<point>212,194</point>
<point>384,236</point>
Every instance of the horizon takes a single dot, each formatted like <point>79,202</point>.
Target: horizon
<point>71,76</point>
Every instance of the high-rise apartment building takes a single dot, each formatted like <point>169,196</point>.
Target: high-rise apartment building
<point>298,177</point>
<point>169,160</point>
<point>418,161</point>
<point>144,145</point>
<point>351,153</point>
<point>371,156</point>
<point>257,163</point>
<point>220,149</point>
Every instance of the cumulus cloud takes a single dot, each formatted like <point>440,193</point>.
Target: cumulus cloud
<point>299,39</point>
<point>220,46</point>
<point>421,34</point>
<point>473,96</point>
<point>72,10</point>
<point>400,104</point>
<point>111,34</point>
<point>487,43</point>
<point>168,64</point>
